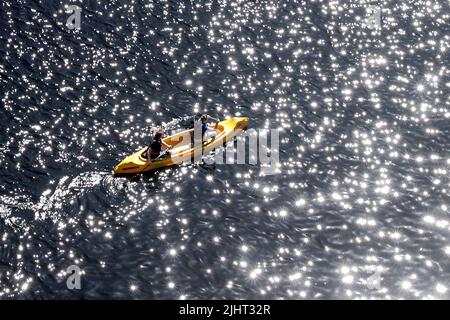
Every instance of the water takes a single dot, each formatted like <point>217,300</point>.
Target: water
<point>359,210</point>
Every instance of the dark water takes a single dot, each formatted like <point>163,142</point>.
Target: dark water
<point>364,182</point>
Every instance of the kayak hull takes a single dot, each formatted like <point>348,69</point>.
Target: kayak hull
<point>181,148</point>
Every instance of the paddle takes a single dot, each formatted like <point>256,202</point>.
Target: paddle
<point>157,158</point>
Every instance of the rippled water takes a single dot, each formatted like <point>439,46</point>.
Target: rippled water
<point>364,118</point>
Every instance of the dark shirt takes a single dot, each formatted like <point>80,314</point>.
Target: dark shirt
<point>204,128</point>
<point>155,147</point>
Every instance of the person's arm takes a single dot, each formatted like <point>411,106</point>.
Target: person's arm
<point>217,122</point>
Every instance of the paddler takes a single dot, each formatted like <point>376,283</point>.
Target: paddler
<point>154,150</point>
<point>207,130</point>
<point>205,127</point>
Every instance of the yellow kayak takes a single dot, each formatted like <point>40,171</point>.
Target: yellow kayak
<point>181,148</point>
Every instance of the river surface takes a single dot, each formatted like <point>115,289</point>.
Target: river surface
<point>358,209</point>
